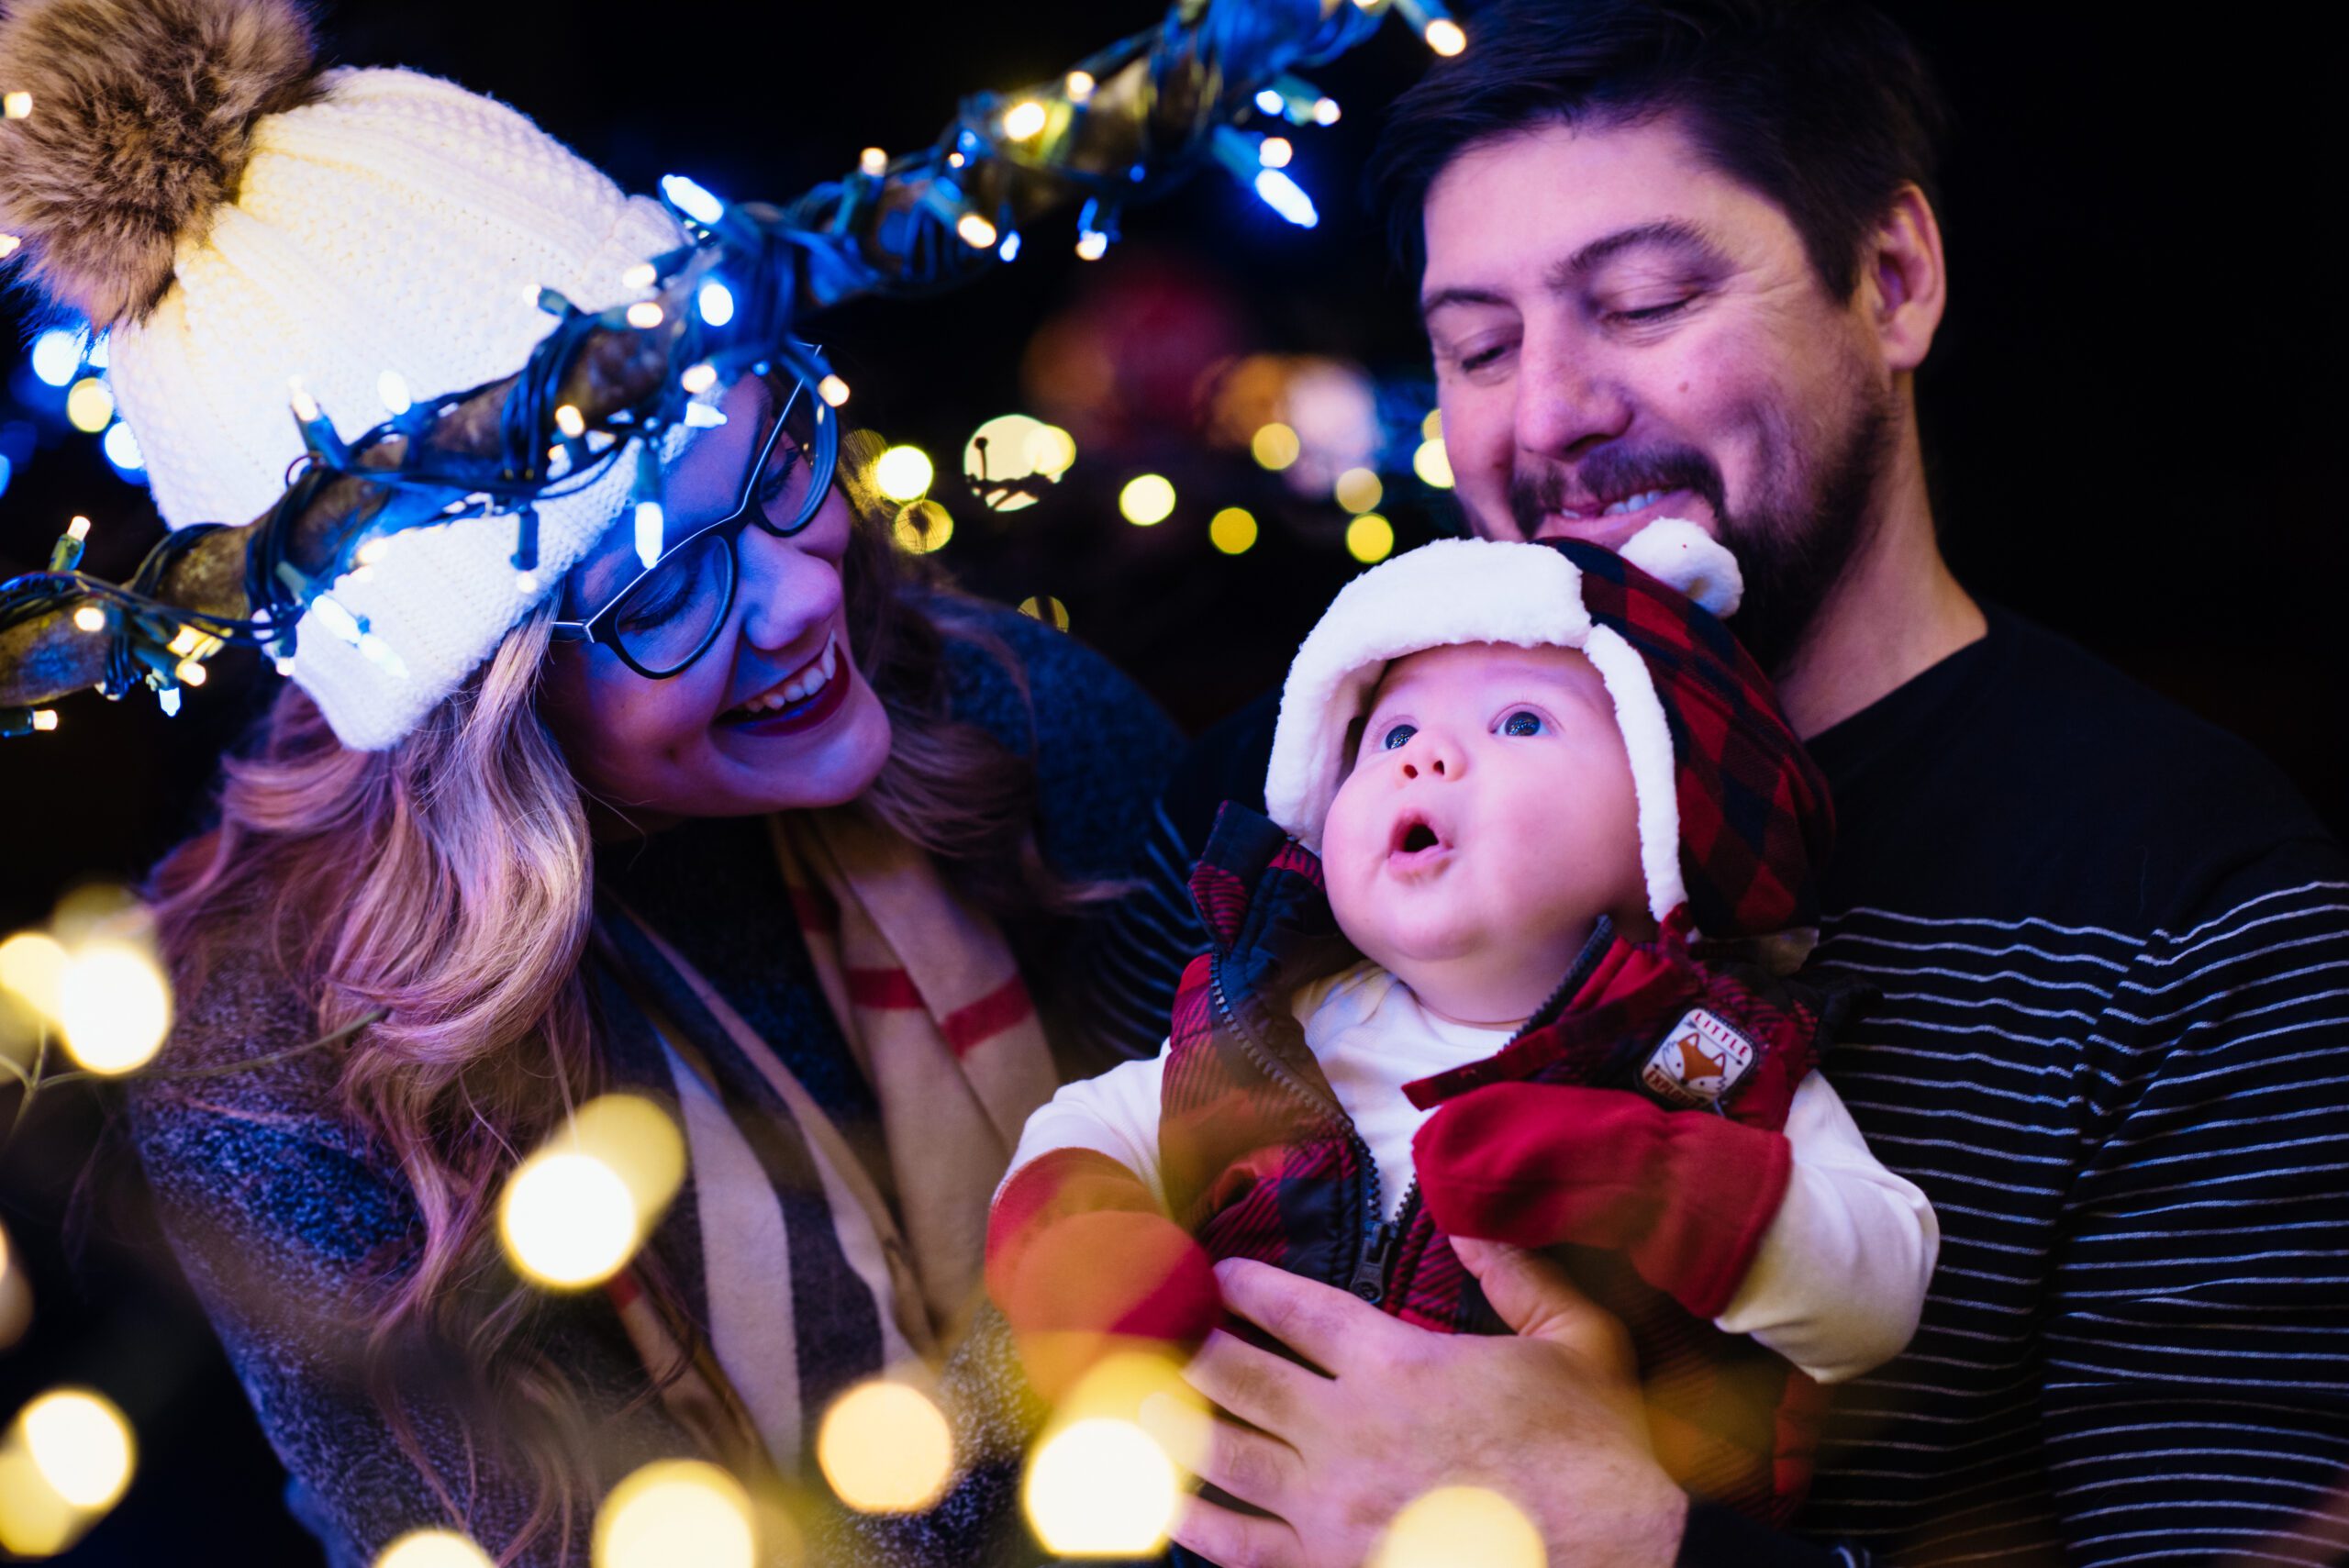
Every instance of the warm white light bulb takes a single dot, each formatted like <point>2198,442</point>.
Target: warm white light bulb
<point>1023,120</point>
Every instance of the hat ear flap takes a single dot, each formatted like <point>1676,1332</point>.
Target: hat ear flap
<point>1688,558</point>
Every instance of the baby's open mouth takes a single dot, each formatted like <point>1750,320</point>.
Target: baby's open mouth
<point>1414,835</point>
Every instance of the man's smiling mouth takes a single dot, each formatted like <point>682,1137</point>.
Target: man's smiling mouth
<point>1624,507</point>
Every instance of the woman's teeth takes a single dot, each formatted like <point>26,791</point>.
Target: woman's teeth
<point>802,687</point>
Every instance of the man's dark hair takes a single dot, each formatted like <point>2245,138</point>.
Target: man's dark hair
<point>1822,106</point>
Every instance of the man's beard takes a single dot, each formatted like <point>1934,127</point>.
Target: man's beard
<point>1794,540</point>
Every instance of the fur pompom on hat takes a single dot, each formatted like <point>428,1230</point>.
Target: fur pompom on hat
<point>1734,816</point>
<point>142,123</point>
<point>237,219</point>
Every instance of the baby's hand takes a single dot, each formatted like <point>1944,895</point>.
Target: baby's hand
<point>1079,1258</point>
<point>1686,1195</point>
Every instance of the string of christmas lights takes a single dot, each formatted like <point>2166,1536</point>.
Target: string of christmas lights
<point>1214,83</point>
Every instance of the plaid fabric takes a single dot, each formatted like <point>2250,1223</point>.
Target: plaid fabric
<point>1261,1162</point>
<point>1755,818</point>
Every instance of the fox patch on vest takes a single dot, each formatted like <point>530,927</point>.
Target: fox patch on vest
<point>1700,1059</point>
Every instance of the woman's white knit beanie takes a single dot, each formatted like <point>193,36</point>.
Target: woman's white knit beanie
<point>238,218</point>
<point>399,225</point>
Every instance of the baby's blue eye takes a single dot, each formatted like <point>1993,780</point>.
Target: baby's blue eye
<point>1522,723</point>
<point>1399,737</point>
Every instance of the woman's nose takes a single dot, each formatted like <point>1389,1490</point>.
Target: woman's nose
<point>785,591</point>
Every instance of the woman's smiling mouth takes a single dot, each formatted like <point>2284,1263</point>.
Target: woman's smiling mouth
<point>804,698</point>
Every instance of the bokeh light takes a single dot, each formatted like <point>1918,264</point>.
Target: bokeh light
<point>1275,446</point>
<point>81,1444</point>
<point>1453,1524</point>
<point>32,965</point>
<point>1370,538</point>
<point>433,1549</point>
<point>636,1138</point>
<point>1023,120</point>
<point>1013,458</point>
<point>1358,489</point>
<point>56,355</point>
<point>1445,36</point>
<point>89,407</point>
<point>1101,1488</point>
<point>576,1210</point>
<point>113,1007</point>
<point>567,1218</point>
<point>904,473</point>
<point>885,1449</point>
<point>1432,463</point>
<point>121,448</point>
<point>1233,531</point>
<point>716,303</point>
<point>922,527</point>
<point>34,1521</point>
<point>1045,608</point>
<point>673,1512</point>
<point>1147,499</point>
<point>1431,428</point>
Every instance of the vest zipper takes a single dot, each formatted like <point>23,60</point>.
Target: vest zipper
<point>1378,1247</point>
<point>1377,1255</point>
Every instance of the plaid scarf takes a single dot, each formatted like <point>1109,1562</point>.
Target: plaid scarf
<point>819,1269</point>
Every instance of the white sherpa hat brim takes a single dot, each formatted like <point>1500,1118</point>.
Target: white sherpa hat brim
<point>1529,596</point>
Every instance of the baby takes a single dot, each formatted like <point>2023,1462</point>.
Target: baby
<point>1458,990</point>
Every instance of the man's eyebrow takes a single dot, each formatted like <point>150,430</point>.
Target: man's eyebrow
<point>1672,233</point>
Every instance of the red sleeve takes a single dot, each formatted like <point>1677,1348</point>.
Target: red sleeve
<point>1686,1196</point>
<point>1078,1251</point>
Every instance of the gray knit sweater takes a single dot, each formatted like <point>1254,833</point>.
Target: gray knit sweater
<point>278,1208</point>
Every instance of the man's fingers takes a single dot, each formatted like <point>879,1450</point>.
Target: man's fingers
<point>1255,1385</point>
<point>1535,1298</point>
<point>1251,1466</point>
<point>1325,1325</point>
<point>1235,1540</point>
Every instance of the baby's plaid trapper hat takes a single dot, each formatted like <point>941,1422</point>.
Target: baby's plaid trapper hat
<point>1734,817</point>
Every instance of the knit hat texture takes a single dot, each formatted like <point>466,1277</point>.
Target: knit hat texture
<point>1734,816</point>
<point>387,222</point>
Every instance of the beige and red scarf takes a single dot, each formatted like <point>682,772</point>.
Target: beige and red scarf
<point>819,1267</point>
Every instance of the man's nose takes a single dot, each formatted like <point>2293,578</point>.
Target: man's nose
<point>1567,399</point>
<point>785,590</point>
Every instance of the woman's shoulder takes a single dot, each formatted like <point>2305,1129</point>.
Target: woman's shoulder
<point>245,1047</point>
<point>1102,746</point>
<point>1053,687</point>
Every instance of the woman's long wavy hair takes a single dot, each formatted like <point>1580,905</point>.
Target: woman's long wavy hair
<point>446,884</point>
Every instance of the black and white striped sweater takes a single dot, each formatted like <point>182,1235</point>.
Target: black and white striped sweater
<point>2115,1050</point>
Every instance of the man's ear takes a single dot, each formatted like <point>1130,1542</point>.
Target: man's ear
<point>1904,280</point>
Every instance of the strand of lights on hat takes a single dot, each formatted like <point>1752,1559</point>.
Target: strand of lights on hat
<point>1025,127</point>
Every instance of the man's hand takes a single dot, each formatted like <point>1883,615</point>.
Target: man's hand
<point>1549,1418</point>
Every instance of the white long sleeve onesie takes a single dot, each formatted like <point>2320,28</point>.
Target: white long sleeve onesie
<point>1836,1286</point>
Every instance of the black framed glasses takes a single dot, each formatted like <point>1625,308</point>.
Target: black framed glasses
<point>666,616</point>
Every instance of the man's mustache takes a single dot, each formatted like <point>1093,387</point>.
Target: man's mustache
<point>1607,476</point>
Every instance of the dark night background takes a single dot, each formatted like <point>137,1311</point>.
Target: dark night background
<point>2125,414</point>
